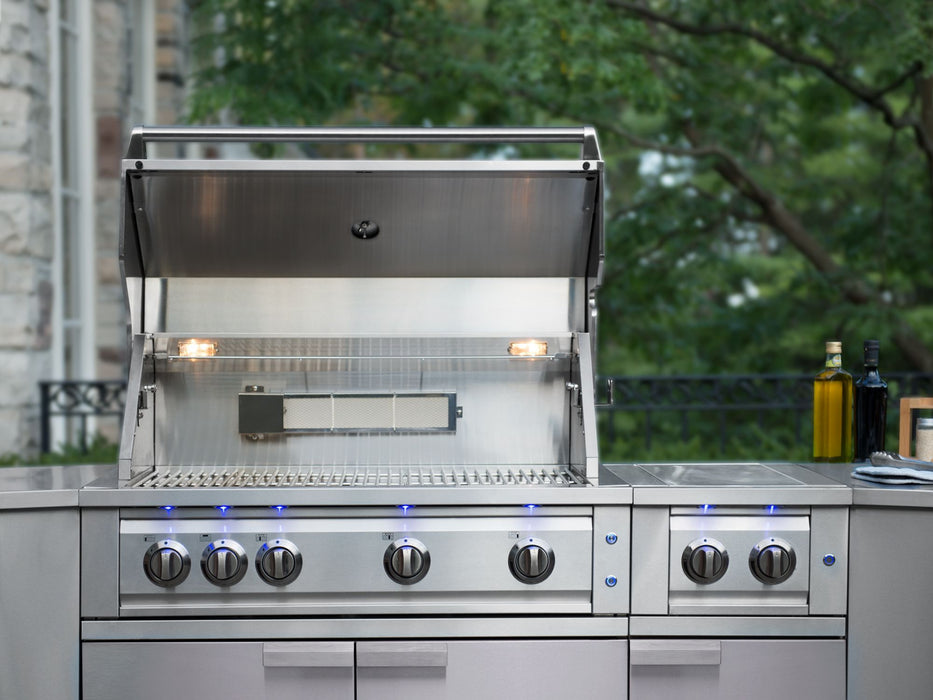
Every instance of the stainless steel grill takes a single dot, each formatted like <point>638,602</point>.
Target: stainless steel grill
<point>335,442</point>
<point>354,477</point>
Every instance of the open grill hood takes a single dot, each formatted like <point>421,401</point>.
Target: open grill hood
<point>364,285</point>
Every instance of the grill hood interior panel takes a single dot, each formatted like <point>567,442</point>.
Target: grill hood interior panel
<point>295,221</point>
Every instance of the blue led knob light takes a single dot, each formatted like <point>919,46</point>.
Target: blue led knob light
<point>611,581</point>
<point>829,559</point>
<point>612,538</point>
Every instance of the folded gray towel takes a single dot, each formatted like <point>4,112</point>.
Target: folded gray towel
<point>893,475</point>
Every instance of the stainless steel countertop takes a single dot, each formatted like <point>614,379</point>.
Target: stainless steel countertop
<point>58,486</point>
<point>47,487</point>
<point>865,493</point>
<point>726,483</point>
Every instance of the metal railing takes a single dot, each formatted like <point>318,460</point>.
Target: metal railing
<point>78,402</point>
<point>729,401</point>
<point>694,401</point>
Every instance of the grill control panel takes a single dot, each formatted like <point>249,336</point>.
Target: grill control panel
<point>706,548</point>
<point>347,565</point>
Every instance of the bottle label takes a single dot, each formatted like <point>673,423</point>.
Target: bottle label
<point>834,361</point>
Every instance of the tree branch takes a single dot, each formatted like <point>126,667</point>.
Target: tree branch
<point>776,216</point>
<point>873,98</point>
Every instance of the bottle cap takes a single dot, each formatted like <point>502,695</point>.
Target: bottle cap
<point>924,423</point>
<point>834,346</point>
<point>871,352</point>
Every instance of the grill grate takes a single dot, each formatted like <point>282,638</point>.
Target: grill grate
<point>355,477</point>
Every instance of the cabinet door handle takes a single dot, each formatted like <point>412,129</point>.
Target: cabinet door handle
<point>675,652</point>
<point>401,654</point>
<point>308,654</point>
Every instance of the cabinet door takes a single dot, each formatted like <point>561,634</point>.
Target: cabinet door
<point>39,616</point>
<point>715,669</point>
<point>218,670</point>
<point>492,670</point>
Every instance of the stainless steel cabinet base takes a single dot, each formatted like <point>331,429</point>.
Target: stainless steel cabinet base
<point>738,669</point>
<point>39,604</point>
<point>552,669</point>
<point>890,615</point>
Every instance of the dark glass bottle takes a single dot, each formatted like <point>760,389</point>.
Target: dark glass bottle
<point>871,406</point>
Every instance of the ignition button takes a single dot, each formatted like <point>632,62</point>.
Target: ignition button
<point>612,538</point>
<point>829,559</point>
<point>611,581</point>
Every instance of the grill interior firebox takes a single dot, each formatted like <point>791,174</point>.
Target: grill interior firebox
<point>374,411</point>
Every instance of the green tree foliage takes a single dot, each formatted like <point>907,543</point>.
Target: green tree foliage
<point>770,163</point>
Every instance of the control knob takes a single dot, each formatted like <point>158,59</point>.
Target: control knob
<point>531,560</point>
<point>278,562</point>
<point>705,560</point>
<point>224,562</point>
<point>406,561</point>
<point>167,563</point>
<point>772,560</point>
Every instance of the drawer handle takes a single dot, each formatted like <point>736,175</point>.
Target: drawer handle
<point>307,655</point>
<point>401,655</point>
<point>686,652</point>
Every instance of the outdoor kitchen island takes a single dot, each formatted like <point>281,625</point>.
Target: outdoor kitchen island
<point>890,570</point>
<point>888,616</point>
<point>359,455</point>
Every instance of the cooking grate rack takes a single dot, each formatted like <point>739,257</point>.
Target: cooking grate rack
<point>232,477</point>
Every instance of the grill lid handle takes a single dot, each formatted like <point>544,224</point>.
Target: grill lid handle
<point>584,135</point>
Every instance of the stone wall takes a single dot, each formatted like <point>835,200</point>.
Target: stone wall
<point>25,219</point>
<point>26,233</point>
<point>112,89</point>
<point>171,60</point>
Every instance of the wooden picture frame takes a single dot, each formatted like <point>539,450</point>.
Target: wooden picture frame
<point>909,404</point>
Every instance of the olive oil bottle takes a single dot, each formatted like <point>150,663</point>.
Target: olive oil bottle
<point>832,409</point>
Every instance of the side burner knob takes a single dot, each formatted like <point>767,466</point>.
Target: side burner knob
<point>705,560</point>
<point>406,561</point>
<point>531,560</point>
<point>224,562</point>
<point>167,563</point>
<point>278,562</point>
<point>772,561</point>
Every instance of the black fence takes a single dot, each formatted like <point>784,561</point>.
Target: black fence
<point>78,402</point>
<point>720,406</point>
<point>654,408</point>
